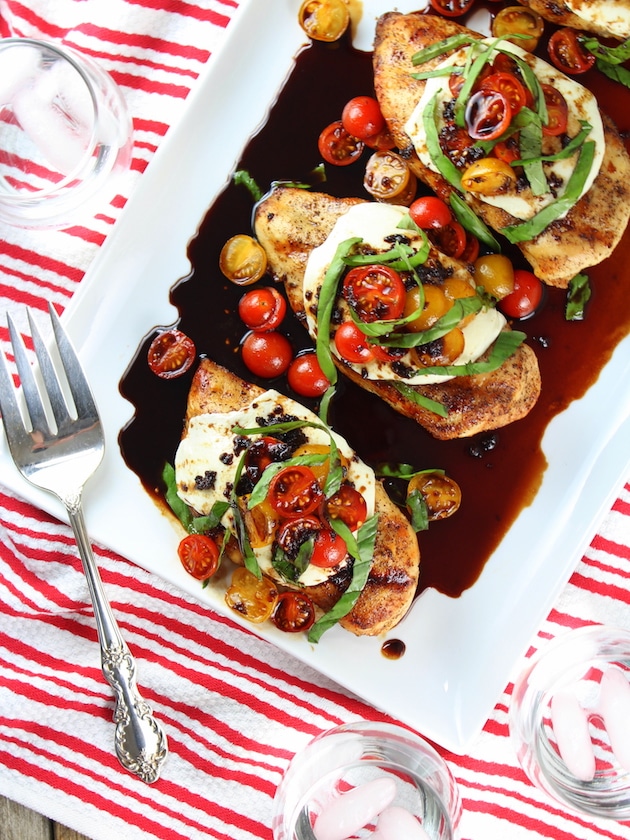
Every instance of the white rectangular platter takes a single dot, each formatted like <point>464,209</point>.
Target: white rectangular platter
<point>460,652</point>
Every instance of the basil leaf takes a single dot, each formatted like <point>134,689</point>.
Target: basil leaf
<point>292,569</point>
<point>471,222</point>
<point>203,524</point>
<point>418,510</point>
<point>505,346</point>
<point>471,75</point>
<point>444,164</point>
<point>460,309</point>
<point>249,558</point>
<point>275,428</point>
<point>572,146</point>
<point>578,295</point>
<point>177,505</point>
<point>533,227</point>
<point>433,74</point>
<point>406,471</point>
<point>259,493</point>
<point>614,72</point>
<point>325,306</point>
<point>324,403</point>
<point>415,397</point>
<point>243,178</point>
<point>609,55</point>
<point>440,48</point>
<point>530,146</point>
<point>362,550</point>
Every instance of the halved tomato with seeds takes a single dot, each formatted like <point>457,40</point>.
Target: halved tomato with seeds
<point>171,354</point>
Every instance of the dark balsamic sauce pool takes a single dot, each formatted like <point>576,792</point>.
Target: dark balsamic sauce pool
<point>499,472</point>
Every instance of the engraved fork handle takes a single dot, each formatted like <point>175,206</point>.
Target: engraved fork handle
<point>140,741</point>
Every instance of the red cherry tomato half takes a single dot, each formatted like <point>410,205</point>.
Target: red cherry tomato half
<point>471,249</point>
<point>507,150</point>
<point>294,532</point>
<point>348,505</point>
<point>266,354</point>
<point>526,297</point>
<point>306,377</point>
<point>375,292</point>
<point>488,115</point>
<point>567,52</point>
<point>199,555</point>
<point>329,549</point>
<point>557,110</point>
<point>429,211</point>
<point>509,86</point>
<point>362,117</point>
<point>262,309</point>
<point>262,452</point>
<point>294,491</point>
<point>170,354</point>
<point>294,612</point>
<point>452,8</point>
<point>450,239</point>
<point>338,147</point>
<point>352,345</point>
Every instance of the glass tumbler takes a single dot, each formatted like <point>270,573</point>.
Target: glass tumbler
<point>354,755</point>
<point>65,134</point>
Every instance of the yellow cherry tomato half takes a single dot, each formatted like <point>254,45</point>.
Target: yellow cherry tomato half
<point>389,179</point>
<point>324,20</point>
<point>251,597</point>
<point>489,176</point>
<point>442,494</point>
<point>243,260</point>
<point>436,304</point>
<point>495,273</point>
<point>516,20</point>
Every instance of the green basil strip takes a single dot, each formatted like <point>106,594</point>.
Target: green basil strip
<point>434,74</point>
<point>469,220</point>
<point>460,309</point>
<point>176,504</point>
<point>325,306</point>
<point>292,569</point>
<point>401,257</point>
<point>530,147</point>
<point>444,164</point>
<point>249,557</point>
<point>505,346</point>
<point>203,524</point>
<point>534,226</point>
<point>410,393</point>
<point>578,295</point>
<point>243,178</point>
<point>406,471</point>
<point>419,511</point>
<point>362,550</point>
<point>471,79</point>
<point>610,55</point>
<point>259,493</point>
<point>324,404</point>
<point>571,148</point>
<point>440,48</point>
<point>614,72</point>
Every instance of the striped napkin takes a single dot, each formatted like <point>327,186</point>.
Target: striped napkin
<point>236,708</point>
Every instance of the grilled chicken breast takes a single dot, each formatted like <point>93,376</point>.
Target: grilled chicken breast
<point>289,223</point>
<point>594,225</point>
<point>609,18</point>
<point>393,578</point>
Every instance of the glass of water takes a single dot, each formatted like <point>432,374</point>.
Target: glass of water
<point>65,134</point>
<point>365,756</point>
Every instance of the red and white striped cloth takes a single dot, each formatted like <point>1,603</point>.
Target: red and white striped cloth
<point>236,708</point>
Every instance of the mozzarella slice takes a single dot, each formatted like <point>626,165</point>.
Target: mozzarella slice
<point>582,106</point>
<point>208,450</point>
<point>373,222</point>
<point>614,15</point>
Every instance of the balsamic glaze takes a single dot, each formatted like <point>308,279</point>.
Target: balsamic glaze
<point>499,472</point>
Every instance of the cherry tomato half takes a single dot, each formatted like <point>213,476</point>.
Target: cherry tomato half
<point>557,110</point>
<point>507,150</point>
<point>452,8</point>
<point>329,549</point>
<point>306,377</point>
<point>324,20</point>
<point>295,491</point>
<point>337,147</point>
<point>362,117</point>
<point>509,86</point>
<point>375,292</point>
<point>488,115</point>
<point>266,354</point>
<point>294,612</point>
<point>429,211</point>
<point>293,533</point>
<point>442,494</point>
<point>348,505</point>
<point>515,20</point>
<point>199,555</point>
<point>389,179</point>
<point>262,452</point>
<point>243,260</point>
<point>170,354</point>
<point>567,52</point>
<point>450,239</point>
<point>526,296</point>
<point>252,597</point>
<point>262,309</point>
<point>352,345</point>
<point>489,176</point>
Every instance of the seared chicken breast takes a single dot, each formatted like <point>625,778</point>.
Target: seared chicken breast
<point>609,18</point>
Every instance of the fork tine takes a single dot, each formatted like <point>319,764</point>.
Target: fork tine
<point>79,387</point>
<point>11,417</point>
<point>34,404</point>
<point>49,375</point>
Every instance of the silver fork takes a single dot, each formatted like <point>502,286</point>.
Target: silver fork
<point>57,449</point>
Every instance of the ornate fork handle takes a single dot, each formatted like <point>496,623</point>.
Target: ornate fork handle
<point>140,741</point>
